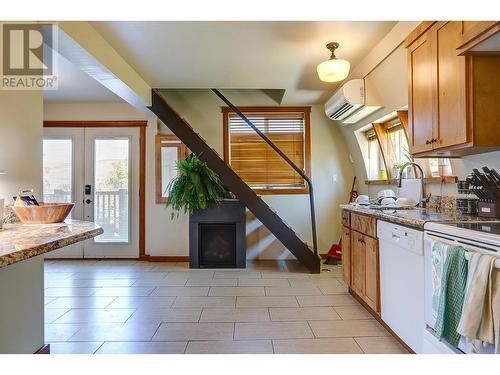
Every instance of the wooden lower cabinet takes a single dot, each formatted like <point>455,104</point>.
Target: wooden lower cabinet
<point>371,273</point>
<point>358,263</point>
<point>346,255</point>
<point>360,260</point>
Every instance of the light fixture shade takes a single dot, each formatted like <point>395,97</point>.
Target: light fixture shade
<point>333,70</point>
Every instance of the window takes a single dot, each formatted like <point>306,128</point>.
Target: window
<point>398,150</point>
<point>376,166</point>
<point>393,143</point>
<point>168,151</point>
<point>261,167</point>
<point>385,149</point>
<point>57,170</point>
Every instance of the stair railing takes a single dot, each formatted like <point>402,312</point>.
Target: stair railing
<point>286,158</point>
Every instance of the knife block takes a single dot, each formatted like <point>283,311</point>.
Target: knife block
<point>488,209</point>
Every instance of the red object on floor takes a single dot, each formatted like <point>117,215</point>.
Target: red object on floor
<point>335,251</point>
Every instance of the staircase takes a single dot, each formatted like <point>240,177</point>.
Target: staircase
<point>234,183</point>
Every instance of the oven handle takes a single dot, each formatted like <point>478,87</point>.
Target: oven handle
<point>469,247</point>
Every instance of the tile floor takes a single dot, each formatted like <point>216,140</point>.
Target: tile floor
<point>127,306</point>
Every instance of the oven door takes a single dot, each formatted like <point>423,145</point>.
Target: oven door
<point>433,268</point>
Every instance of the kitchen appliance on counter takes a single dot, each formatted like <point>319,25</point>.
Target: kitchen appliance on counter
<point>483,237</point>
<point>486,186</point>
<point>401,281</point>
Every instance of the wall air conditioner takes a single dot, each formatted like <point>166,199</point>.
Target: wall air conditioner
<point>352,102</point>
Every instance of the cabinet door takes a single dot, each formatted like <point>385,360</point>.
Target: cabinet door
<point>358,263</point>
<point>421,88</point>
<point>451,113</point>
<point>346,255</point>
<point>371,273</point>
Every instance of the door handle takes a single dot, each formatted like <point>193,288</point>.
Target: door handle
<point>88,201</point>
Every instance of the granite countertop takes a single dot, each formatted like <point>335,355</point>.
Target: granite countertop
<point>415,217</point>
<point>19,242</point>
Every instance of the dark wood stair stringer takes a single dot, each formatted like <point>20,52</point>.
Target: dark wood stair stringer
<point>234,183</point>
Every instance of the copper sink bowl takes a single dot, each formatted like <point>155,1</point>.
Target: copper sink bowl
<point>46,213</point>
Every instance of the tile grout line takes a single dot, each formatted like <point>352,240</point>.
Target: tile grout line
<point>357,344</point>
<point>99,347</point>
<point>157,328</point>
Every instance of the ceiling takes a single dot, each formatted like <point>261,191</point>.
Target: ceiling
<point>237,55</point>
<point>76,86</point>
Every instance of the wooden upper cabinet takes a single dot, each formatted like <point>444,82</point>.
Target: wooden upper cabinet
<point>447,94</point>
<point>473,33</point>
<point>450,127</point>
<point>420,94</point>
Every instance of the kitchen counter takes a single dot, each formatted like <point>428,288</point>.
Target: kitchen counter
<point>416,217</point>
<point>19,242</point>
<point>22,279</point>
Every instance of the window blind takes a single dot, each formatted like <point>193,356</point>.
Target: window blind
<point>255,161</point>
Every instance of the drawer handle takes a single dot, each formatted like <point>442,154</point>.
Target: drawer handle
<point>361,240</point>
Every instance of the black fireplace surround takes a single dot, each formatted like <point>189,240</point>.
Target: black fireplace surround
<point>217,236</point>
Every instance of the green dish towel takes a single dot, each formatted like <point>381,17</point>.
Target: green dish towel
<point>451,299</point>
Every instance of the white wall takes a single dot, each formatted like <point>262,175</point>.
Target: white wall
<point>390,79</point>
<point>21,119</point>
<point>331,170</point>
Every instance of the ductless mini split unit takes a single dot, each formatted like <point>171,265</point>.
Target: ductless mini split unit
<point>355,100</point>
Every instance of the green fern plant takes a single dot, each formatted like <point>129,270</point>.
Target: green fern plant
<point>196,187</point>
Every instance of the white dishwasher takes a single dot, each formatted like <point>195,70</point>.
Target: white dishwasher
<point>402,281</point>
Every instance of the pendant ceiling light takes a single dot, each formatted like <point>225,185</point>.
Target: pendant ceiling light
<point>334,69</point>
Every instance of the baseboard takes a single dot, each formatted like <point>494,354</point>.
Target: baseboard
<point>44,349</point>
<point>379,319</point>
<point>164,258</point>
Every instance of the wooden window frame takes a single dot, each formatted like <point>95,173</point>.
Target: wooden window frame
<point>381,132</point>
<point>306,110</point>
<point>181,154</point>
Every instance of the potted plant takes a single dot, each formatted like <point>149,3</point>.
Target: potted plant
<point>196,187</point>
<point>216,225</point>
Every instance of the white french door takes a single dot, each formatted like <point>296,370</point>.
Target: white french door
<point>98,170</point>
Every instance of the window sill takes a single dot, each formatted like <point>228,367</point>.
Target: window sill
<point>427,180</point>
<point>288,191</point>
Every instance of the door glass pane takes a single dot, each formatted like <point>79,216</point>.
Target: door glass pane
<point>111,181</point>
<point>169,167</point>
<point>57,170</point>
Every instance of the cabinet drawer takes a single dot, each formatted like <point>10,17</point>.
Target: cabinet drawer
<point>346,218</point>
<point>364,224</point>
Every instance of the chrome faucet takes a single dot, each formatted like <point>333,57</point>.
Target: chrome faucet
<point>423,200</point>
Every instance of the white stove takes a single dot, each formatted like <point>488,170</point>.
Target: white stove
<point>473,237</point>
